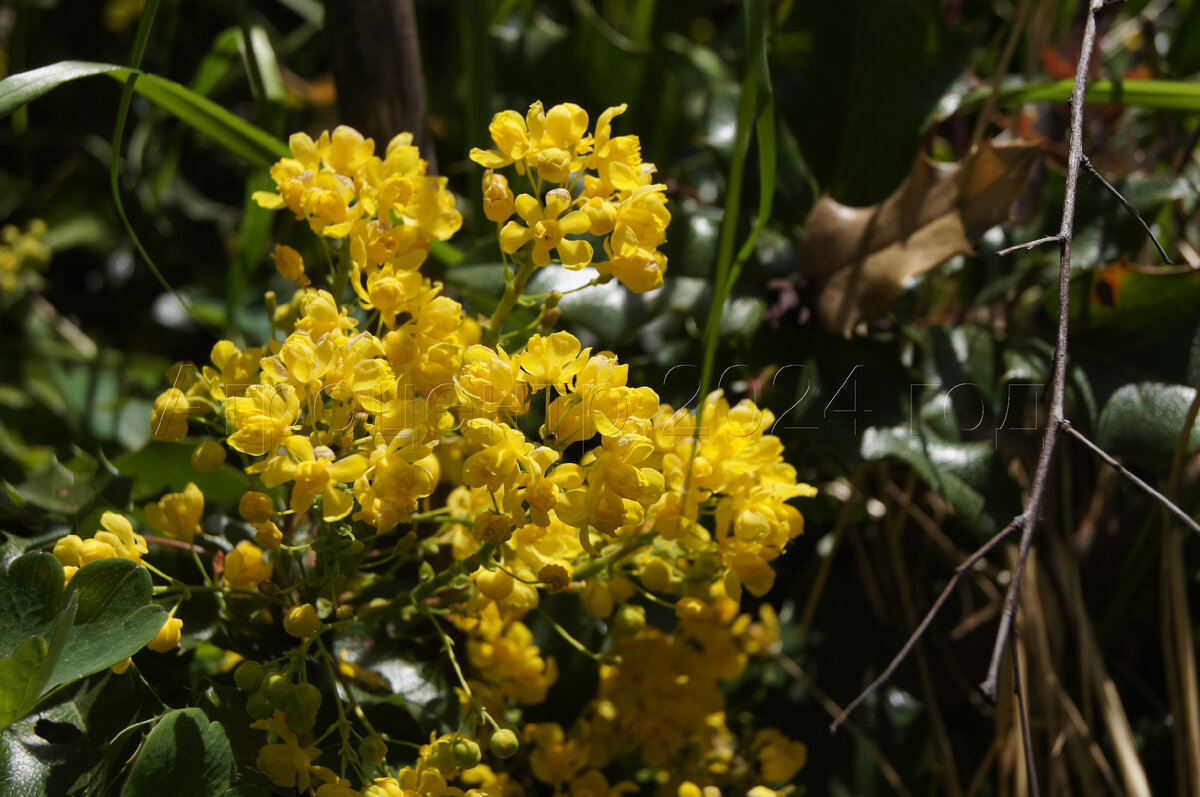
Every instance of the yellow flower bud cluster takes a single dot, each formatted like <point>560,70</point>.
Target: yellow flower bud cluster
<point>23,256</point>
<point>116,538</point>
<point>603,189</point>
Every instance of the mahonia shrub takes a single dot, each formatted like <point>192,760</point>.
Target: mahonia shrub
<point>411,464</point>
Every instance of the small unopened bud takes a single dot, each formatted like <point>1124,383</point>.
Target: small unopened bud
<point>504,743</point>
<point>208,456</point>
<point>629,620</point>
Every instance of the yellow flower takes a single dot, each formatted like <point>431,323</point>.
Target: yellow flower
<point>779,758</point>
<point>316,475</point>
<point>208,456</point>
<point>503,448</point>
<point>498,203</point>
<point>562,142</point>
<point>168,636</point>
<point>244,566</point>
<point>552,361</point>
<point>386,291</point>
<point>301,621</point>
<point>286,764</point>
<point>289,264</point>
<point>547,230</point>
<point>615,159</point>
<point>177,515</point>
<point>511,135</point>
<point>235,369</point>
<point>263,418</point>
<point>119,537</point>
<point>346,150</point>
<point>67,550</point>
<point>168,421</point>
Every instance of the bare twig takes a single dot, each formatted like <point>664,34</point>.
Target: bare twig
<point>1027,520</point>
<point>1058,390</point>
<point>1023,716</point>
<point>1155,494</point>
<point>959,572</point>
<point>1048,239</point>
<point>788,665</point>
<point>1087,164</point>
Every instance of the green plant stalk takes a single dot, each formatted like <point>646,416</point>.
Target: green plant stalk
<point>756,32</point>
<point>512,292</point>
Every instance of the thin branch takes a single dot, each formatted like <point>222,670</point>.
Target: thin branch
<point>959,572</point>
<point>1058,389</point>
<point>1023,715</point>
<point>1047,239</point>
<point>788,665</point>
<point>1087,164</point>
<point>1167,503</point>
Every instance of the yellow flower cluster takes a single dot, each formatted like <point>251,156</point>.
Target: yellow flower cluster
<point>560,476</point>
<point>603,189</point>
<point>23,255</point>
<point>117,539</point>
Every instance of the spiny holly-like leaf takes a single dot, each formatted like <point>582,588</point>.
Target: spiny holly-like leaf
<point>861,257</point>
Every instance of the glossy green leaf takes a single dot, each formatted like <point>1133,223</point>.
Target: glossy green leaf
<point>966,474</point>
<point>1143,422</point>
<point>51,635</point>
<point>167,467</point>
<point>115,618</point>
<point>184,756</point>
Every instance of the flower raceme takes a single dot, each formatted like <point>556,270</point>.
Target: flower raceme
<point>379,426</point>
<point>603,189</point>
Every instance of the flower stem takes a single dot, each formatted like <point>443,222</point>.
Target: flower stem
<point>512,292</point>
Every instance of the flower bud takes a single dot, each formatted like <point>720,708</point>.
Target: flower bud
<point>259,706</point>
<point>493,528</point>
<point>289,264</point>
<point>372,751</point>
<point>441,757</point>
<point>504,743</point>
<point>498,204</point>
<point>267,535</point>
<point>167,638</point>
<point>301,621</point>
<point>248,676</point>
<point>556,575</point>
<point>256,507</point>
<point>629,620</point>
<point>276,687</point>
<point>466,754</point>
<point>208,456</point>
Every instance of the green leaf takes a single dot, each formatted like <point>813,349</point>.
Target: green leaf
<point>202,114</point>
<point>53,636</point>
<point>115,618</point>
<point>74,738</point>
<point>58,489</point>
<point>966,474</point>
<point>184,756</point>
<point>30,591</point>
<point>161,467</point>
<point>22,676</point>
<point>1143,422</point>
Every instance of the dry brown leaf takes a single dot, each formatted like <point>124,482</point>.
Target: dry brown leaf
<point>860,257</point>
